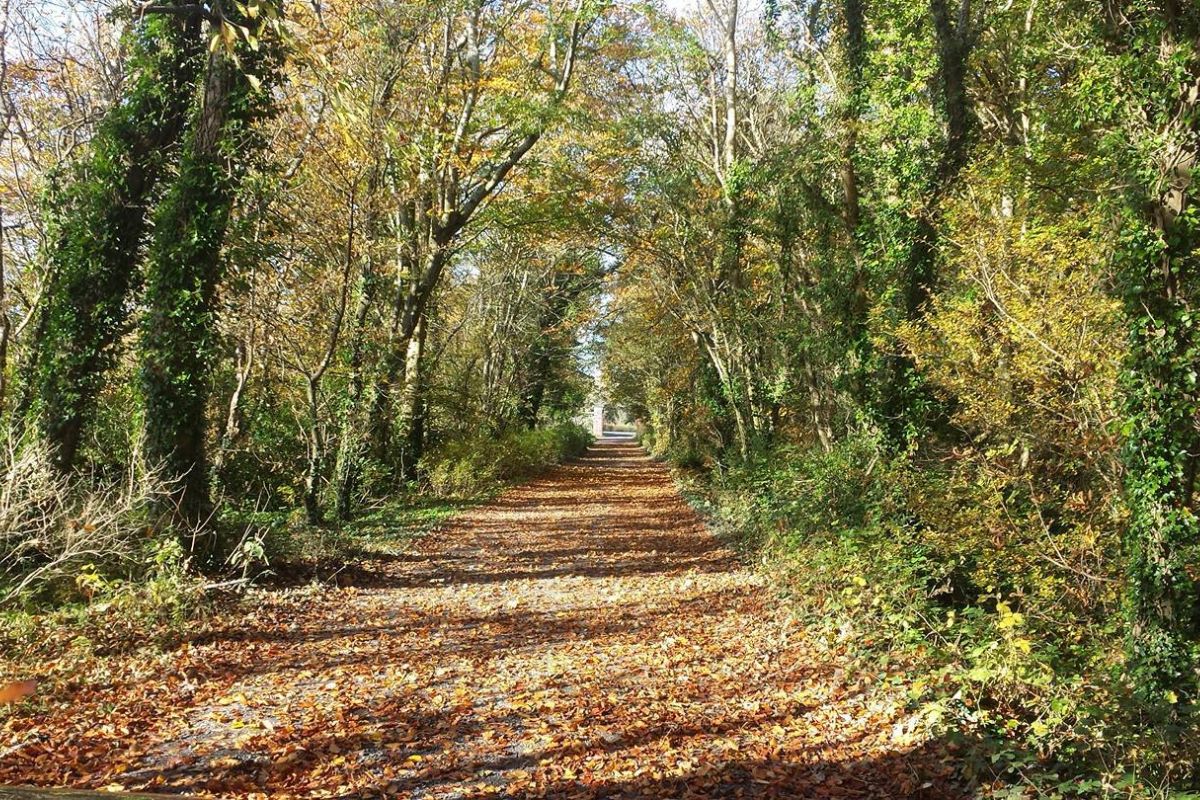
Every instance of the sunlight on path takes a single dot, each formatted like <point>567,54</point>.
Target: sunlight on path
<point>583,636</point>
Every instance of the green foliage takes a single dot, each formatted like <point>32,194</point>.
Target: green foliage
<point>284,546</point>
<point>264,468</point>
<point>96,218</point>
<point>478,464</point>
<point>836,519</point>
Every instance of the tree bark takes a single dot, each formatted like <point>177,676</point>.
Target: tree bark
<point>231,431</point>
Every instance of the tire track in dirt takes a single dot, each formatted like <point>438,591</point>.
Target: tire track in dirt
<point>582,636</point>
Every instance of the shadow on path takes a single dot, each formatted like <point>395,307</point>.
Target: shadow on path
<point>582,636</point>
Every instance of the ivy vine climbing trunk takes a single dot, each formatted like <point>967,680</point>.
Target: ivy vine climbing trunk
<point>178,342</point>
<point>98,214</point>
<point>1160,280</point>
<point>564,290</point>
<point>907,406</point>
<point>6,121</point>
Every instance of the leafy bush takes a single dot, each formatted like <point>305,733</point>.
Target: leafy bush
<point>1004,650</point>
<point>832,523</point>
<point>477,464</point>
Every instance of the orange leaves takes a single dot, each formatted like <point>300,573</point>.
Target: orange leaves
<point>12,692</point>
<point>582,636</point>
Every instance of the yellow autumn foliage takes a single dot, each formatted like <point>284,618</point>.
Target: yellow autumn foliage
<point>1023,345</point>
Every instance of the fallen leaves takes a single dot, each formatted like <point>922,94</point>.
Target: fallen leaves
<point>581,637</point>
<point>13,692</point>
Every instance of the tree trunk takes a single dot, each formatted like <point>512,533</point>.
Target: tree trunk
<point>412,403</point>
<point>392,385</point>
<point>5,325</point>
<point>231,431</point>
<point>97,223</point>
<point>315,452</point>
<point>856,55</point>
<point>535,390</point>
<point>729,390</point>
<point>852,12</point>
<point>317,444</point>
<point>178,342</point>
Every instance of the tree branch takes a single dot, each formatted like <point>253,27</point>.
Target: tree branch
<point>185,10</point>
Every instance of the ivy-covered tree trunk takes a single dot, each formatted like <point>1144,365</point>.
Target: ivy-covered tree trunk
<point>1160,280</point>
<point>538,370</point>
<point>906,403</point>
<point>183,271</point>
<point>316,449</point>
<point>98,219</point>
<point>351,443</point>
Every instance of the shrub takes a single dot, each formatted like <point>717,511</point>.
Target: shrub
<point>930,563</point>
<point>478,464</point>
<point>833,524</point>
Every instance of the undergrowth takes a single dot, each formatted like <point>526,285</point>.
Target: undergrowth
<point>1012,660</point>
<point>478,464</point>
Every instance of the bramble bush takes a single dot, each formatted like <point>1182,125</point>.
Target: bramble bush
<point>63,540</point>
<point>82,570</point>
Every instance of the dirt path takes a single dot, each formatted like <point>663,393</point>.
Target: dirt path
<point>581,637</point>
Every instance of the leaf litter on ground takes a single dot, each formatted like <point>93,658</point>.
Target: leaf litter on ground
<point>581,636</point>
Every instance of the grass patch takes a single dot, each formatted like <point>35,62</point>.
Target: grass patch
<point>282,549</point>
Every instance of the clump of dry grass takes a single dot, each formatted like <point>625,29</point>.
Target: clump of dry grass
<point>55,529</point>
